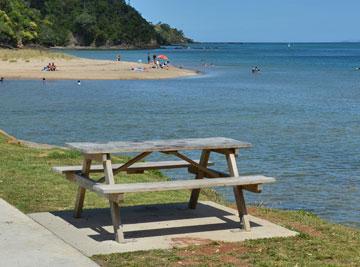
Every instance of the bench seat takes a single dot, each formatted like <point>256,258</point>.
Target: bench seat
<point>136,167</point>
<point>181,184</point>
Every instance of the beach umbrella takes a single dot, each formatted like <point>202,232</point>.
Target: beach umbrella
<point>163,57</point>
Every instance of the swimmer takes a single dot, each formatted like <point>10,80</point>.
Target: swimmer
<point>255,69</point>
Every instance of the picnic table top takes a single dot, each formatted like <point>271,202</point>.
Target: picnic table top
<point>159,145</point>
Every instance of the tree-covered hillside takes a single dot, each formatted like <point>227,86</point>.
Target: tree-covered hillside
<point>171,35</point>
<point>18,23</point>
<point>79,23</point>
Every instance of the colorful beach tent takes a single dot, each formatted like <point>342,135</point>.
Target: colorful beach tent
<point>163,57</point>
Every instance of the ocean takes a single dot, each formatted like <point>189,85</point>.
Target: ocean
<point>301,112</point>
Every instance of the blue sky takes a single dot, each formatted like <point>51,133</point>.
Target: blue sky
<point>258,20</point>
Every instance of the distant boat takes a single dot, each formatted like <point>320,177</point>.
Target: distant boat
<point>289,45</point>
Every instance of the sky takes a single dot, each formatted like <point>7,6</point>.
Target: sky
<point>259,20</point>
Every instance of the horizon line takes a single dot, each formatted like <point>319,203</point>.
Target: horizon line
<point>274,42</point>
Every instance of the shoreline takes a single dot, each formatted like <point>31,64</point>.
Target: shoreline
<point>75,68</point>
<point>13,140</point>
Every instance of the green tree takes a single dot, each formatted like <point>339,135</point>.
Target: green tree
<point>7,34</point>
<point>168,35</point>
<point>85,28</point>
<point>20,23</point>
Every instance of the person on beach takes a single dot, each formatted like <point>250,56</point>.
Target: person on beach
<point>118,57</point>
<point>53,67</point>
<point>166,64</point>
<point>154,58</point>
<point>47,68</point>
<point>148,58</point>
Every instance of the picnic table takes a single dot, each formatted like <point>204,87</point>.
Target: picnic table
<point>204,175</point>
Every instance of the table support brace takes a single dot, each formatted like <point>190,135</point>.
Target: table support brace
<point>200,175</point>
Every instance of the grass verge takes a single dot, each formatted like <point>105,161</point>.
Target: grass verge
<point>26,181</point>
<point>26,54</point>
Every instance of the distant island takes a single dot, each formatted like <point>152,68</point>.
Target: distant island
<point>81,23</point>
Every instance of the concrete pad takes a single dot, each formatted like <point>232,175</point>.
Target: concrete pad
<point>155,227</point>
<point>24,242</point>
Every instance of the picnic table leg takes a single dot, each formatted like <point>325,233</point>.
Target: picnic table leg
<point>115,217</point>
<point>238,192</point>
<point>204,159</point>
<point>114,206</point>
<point>80,197</point>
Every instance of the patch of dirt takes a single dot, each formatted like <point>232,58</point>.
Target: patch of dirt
<point>218,254</point>
<point>251,210</point>
<point>297,226</point>
<point>234,261</point>
<point>306,229</point>
<point>179,242</point>
<point>13,141</point>
<point>225,248</point>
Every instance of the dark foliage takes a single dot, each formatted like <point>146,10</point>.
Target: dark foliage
<point>80,23</point>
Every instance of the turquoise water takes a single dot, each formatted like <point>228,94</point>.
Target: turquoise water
<point>301,113</point>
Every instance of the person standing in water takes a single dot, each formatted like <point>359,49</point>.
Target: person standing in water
<point>118,57</point>
<point>255,70</point>
<point>148,58</point>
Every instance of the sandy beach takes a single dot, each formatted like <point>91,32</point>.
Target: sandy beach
<point>86,69</point>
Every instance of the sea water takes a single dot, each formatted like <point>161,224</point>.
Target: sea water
<point>301,112</point>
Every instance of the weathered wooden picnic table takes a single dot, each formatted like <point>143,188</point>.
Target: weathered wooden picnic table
<point>107,187</point>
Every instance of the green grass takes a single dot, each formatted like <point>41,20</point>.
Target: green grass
<point>26,181</point>
<point>26,54</point>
